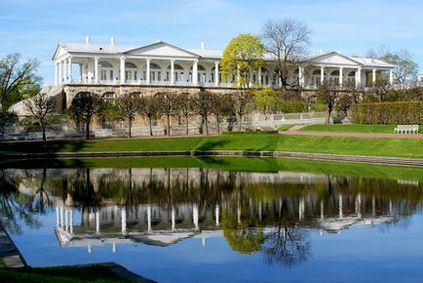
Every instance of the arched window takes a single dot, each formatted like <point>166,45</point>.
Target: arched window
<point>335,73</point>
<point>351,74</point>
<point>154,66</point>
<point>109,96</point>
<point>176,67</point>
<point>316,73</point>
<point>264,70</point>
<point>130,65</point>
<point>200,68</point>
<point>105,64</point>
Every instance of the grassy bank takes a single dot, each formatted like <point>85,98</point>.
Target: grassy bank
<point>235,141</point>
<point>352,128</point>
<point>246,164</point>
<point>98,274</point>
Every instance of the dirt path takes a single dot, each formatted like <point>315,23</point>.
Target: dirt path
<point>362,135</point>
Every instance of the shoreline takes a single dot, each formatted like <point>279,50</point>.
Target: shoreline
<point>380,160</point>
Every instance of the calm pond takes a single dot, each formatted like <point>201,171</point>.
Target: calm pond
<point>220,219</point>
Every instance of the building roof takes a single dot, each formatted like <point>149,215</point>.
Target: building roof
<point>113,49</point>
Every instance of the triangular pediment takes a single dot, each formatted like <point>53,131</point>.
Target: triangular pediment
<point>161,49</point>
<point>333,58</point>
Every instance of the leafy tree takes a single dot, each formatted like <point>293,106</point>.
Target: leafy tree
<point>150,108</point>
<point>221,106</point>
<point>241,57</point>
<point>128,106</point>
<point>406,69</point>
<point>41,107</point>
<point>84,107</point>
<point>287,41</point>
<point>185,105</point>
<point>203,104</point>
<point>265,100</point>
<point>7,119</point>
<point>17,80</point>
<point>168,106</point>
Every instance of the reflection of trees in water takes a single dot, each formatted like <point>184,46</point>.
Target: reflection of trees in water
<point>286,245</point>
<point>40,201</point>
<point>12,205</point>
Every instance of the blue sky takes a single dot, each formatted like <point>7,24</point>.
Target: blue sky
<point>34,28</point>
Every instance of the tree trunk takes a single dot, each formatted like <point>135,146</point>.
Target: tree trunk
<point>151,128</point>
<point>207,125</point>
<point>87,130</point>
<point>168,124</point>
<point>43,129</point>
<point>218,123</point>
<point>187,125</point>
<point>130,128</point>
<point>240,122</point>
<point>328,113</point>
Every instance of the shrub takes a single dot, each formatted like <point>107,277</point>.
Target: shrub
<point>409,112</point>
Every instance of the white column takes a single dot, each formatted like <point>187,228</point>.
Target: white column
<point>123,220</point>
<point>301,209</point>
<point>374,76</point>
<point>114,247</point>
<point>358,77</point>
<point>341,214</point>
<point>66,220</point>
<point>322,210</point>
<point>358,205</point>
<point>122,70</point>
<point>147,73</point>
<point>57,216</point>
<point>96,70</point>
<point>260,211</point>
<point>149,218</point>
<point>97,222</point>
<point>341,76</point>
<point>391,77</point>
<point>60,72</point>
<point>301,75</point>
<point>216,73</point>
<point>195,216</point>
<point>70,69</point>
<point>65,71</point>
<point>81,73</point>
<point>322,75</point>
<point>56,73</point>
<point>61,216</point>
<point>173,218</point>
<point>172,71</point>
<point>259,76</point>
<point>195,73</point>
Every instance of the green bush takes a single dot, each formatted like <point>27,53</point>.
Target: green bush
<point>292,106</point>
<point>409,112</point>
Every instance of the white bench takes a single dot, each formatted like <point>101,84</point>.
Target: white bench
<point>406,129</point>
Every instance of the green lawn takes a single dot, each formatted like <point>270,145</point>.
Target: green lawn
<point>352,128</point>
<point>235,141</point>
<point>98,274</point>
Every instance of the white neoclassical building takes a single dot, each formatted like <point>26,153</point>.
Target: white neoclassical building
<point>163,64</point>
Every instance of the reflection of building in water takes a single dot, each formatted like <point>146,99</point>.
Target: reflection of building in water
<point>160,206</point>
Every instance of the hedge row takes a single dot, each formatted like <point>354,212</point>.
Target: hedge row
<point>397,113</point>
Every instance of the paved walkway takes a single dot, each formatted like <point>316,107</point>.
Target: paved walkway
<point>9,253</point>
<point>362,135</point>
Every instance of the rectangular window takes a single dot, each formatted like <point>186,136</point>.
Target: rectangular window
<point>111,75</point>
<point>103,75</point>
<point>135,75</point>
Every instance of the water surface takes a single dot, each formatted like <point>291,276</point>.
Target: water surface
<point>295,222</point>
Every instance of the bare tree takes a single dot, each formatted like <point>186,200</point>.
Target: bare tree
<point>129,104</point>
<point>84,107</point>
<point>220,106</point>
<point>241,101</point>
<point>150,109</point>
<point>287,41</point>
<point>17,80</point>
<point>168,106</point>
<point>328,94</point>
<point>185,106</point>
<point>203,101</point>
<point>41,107</point>
<point>380,89</point>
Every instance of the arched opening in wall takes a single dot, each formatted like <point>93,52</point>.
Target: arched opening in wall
<point>131,72</point>
<point>106,71</point>
<point>351,77</point>
<point>155,72</point>
<point>334,77</point>
<point>316,77</point>
<point>265,76</point>
<point>201,76</point>
<point>178,71</point>
<point>106,118</point>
